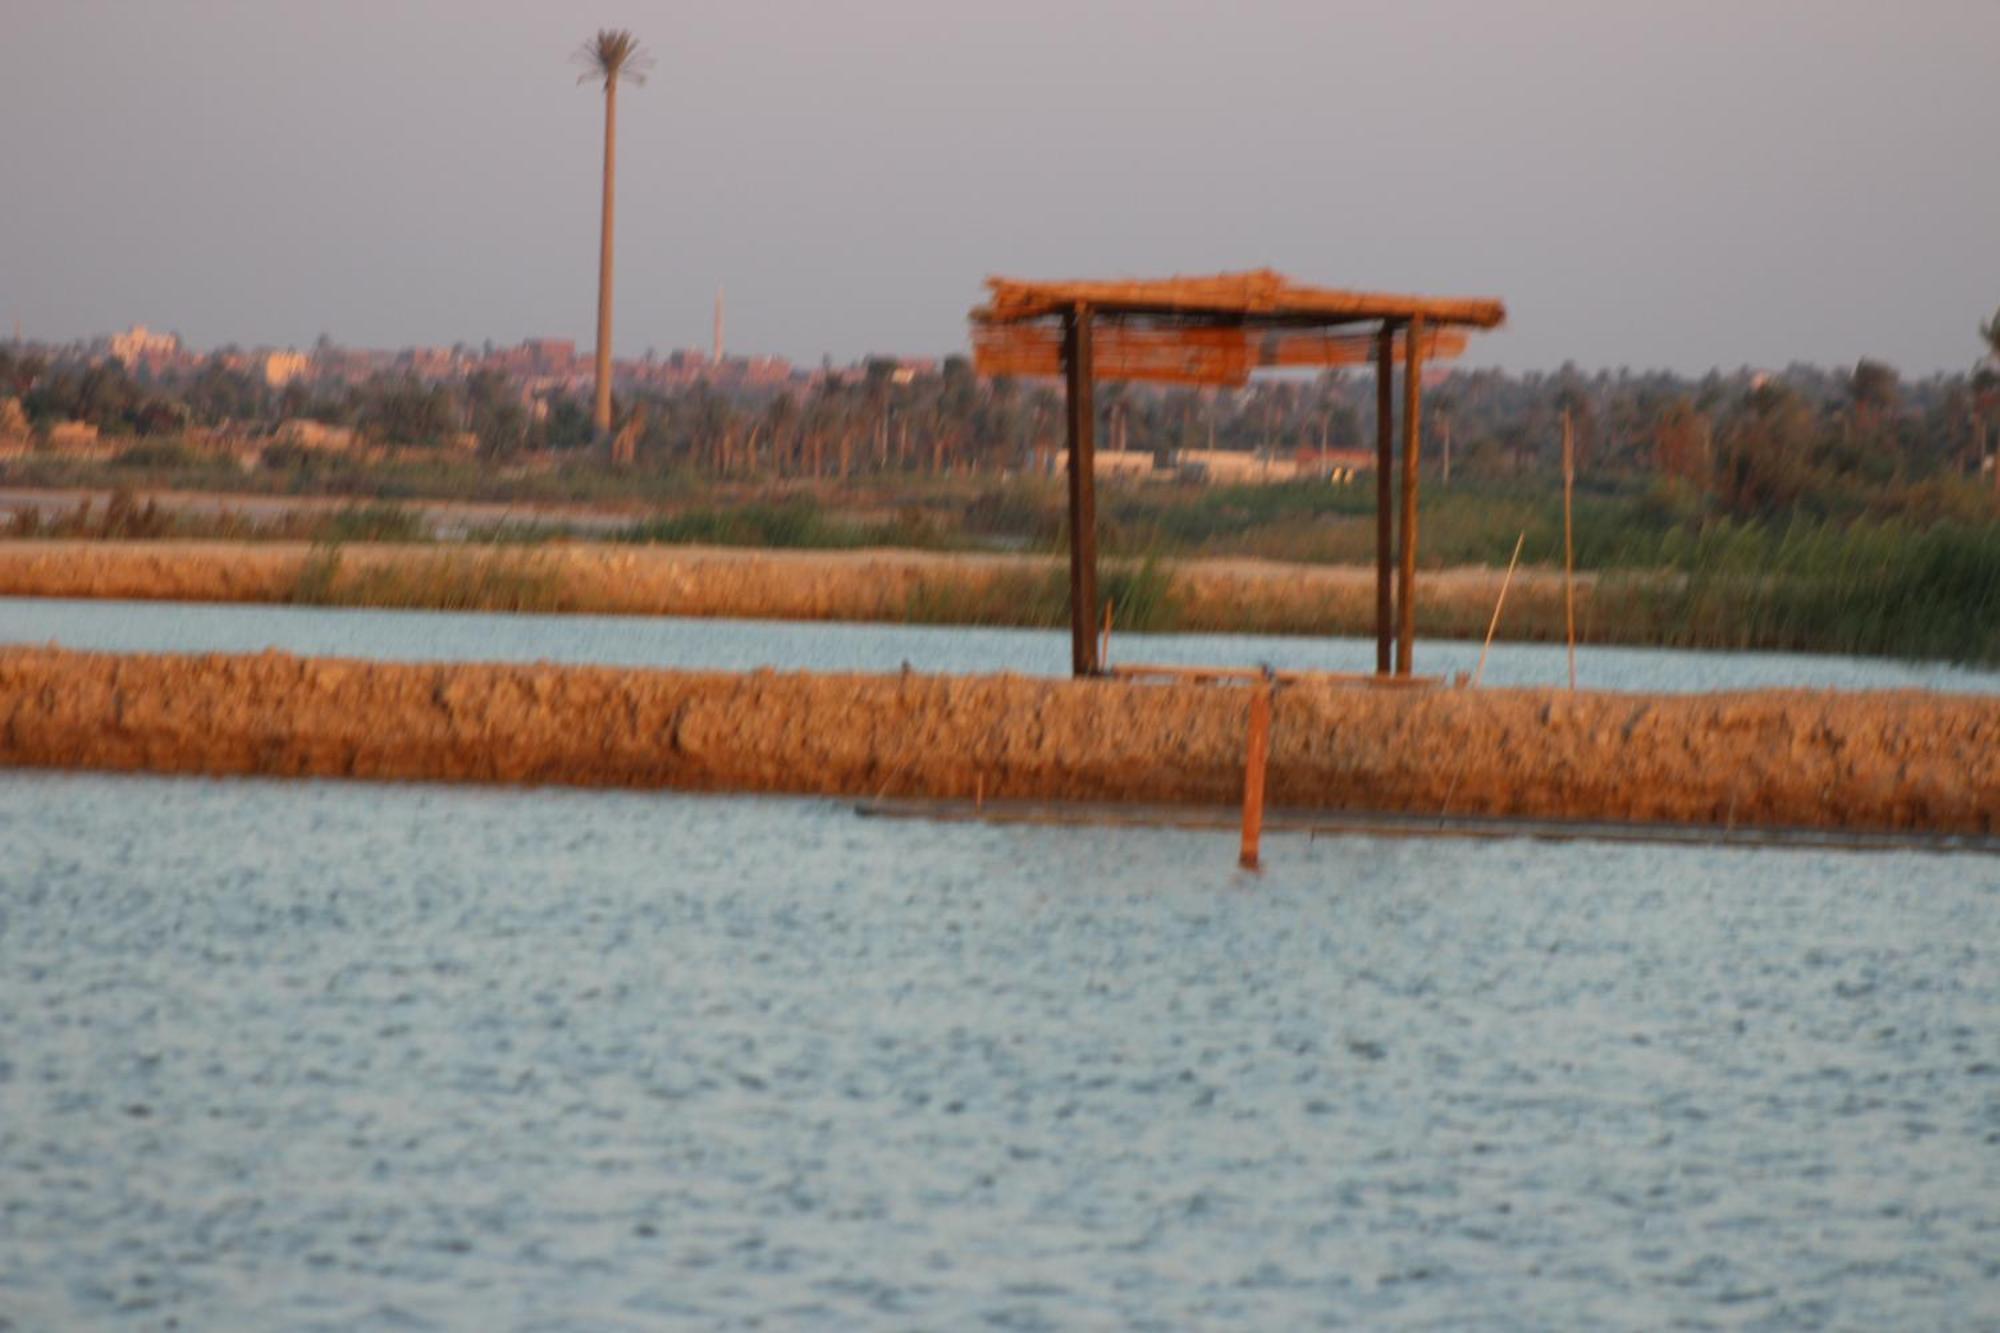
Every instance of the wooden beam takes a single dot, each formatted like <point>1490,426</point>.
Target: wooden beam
<point>1180,354</point>
<point>1569,545</point>
<point>1321,349</point>
<point>1082,492</point>
<point>1259,295</point>
<point>1255,675</point>
<point>1413,393</point>
<point>1385,494</point>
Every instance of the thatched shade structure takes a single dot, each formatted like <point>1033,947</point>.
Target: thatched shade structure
<point>1216,330</point>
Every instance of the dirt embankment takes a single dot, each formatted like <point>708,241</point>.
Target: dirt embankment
<point>873,585</point>
<point>1904,761</point>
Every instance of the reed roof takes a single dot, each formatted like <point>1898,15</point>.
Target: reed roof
<point>1258,297</point>
<point>1210,330</point>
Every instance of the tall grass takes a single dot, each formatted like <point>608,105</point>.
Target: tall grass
<point>1670,568</point>
<point>1873,590</point>
<point>798,523</point>
<point>1142,595</point>
<point>461,579</point>
<point>123,517</point>
<point>371,523</point>
<point>1669,572</point>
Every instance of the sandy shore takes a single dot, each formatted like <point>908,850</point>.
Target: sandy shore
<point>1873,761</point>
<point>1237,595</point>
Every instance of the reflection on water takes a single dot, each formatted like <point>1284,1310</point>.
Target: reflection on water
<point>741,645</point>
<point>340,1055</point>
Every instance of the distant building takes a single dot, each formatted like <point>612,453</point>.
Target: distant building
<point>75,437</point>
<point>347,365</point>
<point>1340,465</point>
<point>307,434</point>
<point>281,368</point>
<point>908,368</point>
<point>548,356</point>
<point>1129,464</point>
<point>1227,467</point>
<point>428,363</point>
<point>140,343</point>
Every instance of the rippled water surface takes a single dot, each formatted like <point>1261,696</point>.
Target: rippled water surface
<point>342,1055</point>
<point>738,645</point>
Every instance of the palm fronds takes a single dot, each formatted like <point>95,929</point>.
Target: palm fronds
<point>613,54</point>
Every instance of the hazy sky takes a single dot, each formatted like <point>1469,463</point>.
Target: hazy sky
<point>1680,184</point>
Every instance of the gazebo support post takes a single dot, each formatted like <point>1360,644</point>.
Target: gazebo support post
<point>1082,493</point>
<point>1385,494</point>
<point>1413,392</point>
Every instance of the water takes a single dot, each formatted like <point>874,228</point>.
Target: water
<point>347,1056</point>
<point>737,645</point>
<point>336,1056</point>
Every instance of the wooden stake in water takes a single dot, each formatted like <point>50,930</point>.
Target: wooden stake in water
<point>1569,544</point>
<point>1479,671</point>
<point>1104,643</point>
<point>1253,775</point>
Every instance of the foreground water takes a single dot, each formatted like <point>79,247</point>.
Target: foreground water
<point>348,1056</point>
<point>742,645</point>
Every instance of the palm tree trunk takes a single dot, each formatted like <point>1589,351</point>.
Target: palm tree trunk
<point>601,413</point>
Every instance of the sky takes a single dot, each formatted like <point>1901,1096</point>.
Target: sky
<point>1672,184</point>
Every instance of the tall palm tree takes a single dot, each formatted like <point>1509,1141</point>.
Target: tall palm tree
<point>612,55</point>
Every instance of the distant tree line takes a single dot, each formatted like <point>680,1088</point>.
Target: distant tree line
<point>1743,443</point>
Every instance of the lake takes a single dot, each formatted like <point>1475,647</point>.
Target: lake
<point>744,645</point>
<point>345,1055</point>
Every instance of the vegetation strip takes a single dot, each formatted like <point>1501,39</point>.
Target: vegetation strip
<point>1915,607</point>
<point>1905,761</point>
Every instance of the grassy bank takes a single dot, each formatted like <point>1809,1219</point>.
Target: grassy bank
<point>445,579</point>
<point>1907,760</point>
<point>1923,597</point>
<point>1660,572</point>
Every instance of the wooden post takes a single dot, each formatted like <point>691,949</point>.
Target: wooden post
<point>1983,433</point>
<point>1255,760</point>
<point>1104,643</point>
<point>1082,493</point>
<point>1569,545</point>
<point>1385,496</point>
<point>1406,594</point>
<point>1479,672</point>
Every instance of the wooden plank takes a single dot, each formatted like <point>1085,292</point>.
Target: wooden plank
<point>1118,351</point>
<point>1320,349</point>
<point>1257,294</point>
<point>1179,354</point>
<point>1406,594</point>
<point>1206,675</point>
<point>1082,493</point>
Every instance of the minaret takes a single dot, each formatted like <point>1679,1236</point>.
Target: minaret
<point>718,325</point>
